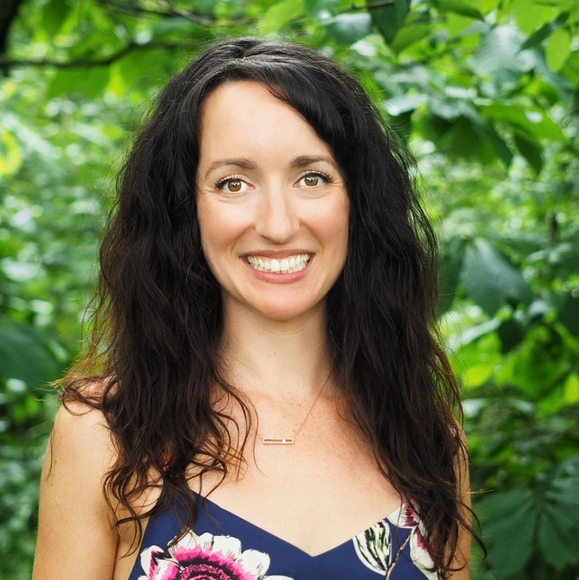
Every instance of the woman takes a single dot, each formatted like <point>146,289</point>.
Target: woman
<point>264,386</point>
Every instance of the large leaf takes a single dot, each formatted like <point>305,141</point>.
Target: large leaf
<point>89,81</point>
<point>389,19</point>
<point>460,7</point>
<point>531,122</point>
<point>24,355</point>
<point>556,536</point>
<point>280,14</point>
<point>511,332</point>
<point>500,57</point>
<point>321,9</point>
<point>558,49</point>
<point>530,15</point>
<point>408,35</point>
<point>510,521</point>
<point>531,151</point>
<point>490,280</point>
<point>349,28</point>
<point>53,16</point>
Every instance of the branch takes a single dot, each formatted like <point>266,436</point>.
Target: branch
<point>6,65</point>
<point>203,21</point>
<point>173,13</point>
<point>91,62</point>
<point>371,5</point>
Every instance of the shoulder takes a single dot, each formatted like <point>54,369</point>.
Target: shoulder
<point>76,526</point>
<point>81,439</point>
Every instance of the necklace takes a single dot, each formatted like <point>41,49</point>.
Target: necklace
<point>290,440</point>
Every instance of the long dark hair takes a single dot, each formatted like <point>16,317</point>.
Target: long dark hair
<point>159,319</point>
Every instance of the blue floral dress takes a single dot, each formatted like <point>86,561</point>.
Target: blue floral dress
<point>224,546</point>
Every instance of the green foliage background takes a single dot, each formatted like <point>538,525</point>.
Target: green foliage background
<point>486,94</point>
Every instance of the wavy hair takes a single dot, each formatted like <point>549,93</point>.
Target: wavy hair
<point>158,321</point>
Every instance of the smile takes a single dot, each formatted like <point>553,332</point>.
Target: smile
<point>285,266</point>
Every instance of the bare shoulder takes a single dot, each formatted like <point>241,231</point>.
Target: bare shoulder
<point>76,526</point>
<point>81,433</point>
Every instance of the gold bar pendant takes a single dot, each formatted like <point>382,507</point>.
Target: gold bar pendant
<point>278,440</point>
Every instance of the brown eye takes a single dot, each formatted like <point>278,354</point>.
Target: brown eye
<point>312,180</point>
<point>233,186</point>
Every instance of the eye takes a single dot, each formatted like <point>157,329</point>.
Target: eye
<point>231,185</point>
<point>315,179</point>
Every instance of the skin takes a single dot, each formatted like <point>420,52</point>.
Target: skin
<point>269,187</point>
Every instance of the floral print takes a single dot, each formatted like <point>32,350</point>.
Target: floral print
<point>205,557</point>
<point>374,546</point>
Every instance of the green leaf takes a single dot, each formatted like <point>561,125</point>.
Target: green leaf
<point>510,520</point>
<point>490,280</point>
<point>321,9</point>
<point>558,49</point>
<point>349,28</point>
<point>530,15</point>
<point>54,14</point>
<point>564,492</point>
<point>555,536</point>
<point>280,14</point>
<point>389,19</point>
<point>532,123</point>
<point>511,333</point>
<point>531,151</point>
<point>458,7</point>
<point>408,35</point>
<point>499,56</point>
<point>498,144</point>
<point>10,154</point>
<point>537,37</point>
<point>89,81</point>
<point>24,355</point>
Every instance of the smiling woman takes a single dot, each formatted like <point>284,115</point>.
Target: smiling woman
<point>283,203</point>
<point>264,396</point>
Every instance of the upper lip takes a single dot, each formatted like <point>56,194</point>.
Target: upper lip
<point>277,254</point>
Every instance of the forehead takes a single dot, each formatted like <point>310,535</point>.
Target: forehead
<point>244,115</point>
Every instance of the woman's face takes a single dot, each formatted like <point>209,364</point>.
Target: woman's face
<point>272,204</point>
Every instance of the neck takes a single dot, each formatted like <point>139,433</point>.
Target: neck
<point>265,356</point>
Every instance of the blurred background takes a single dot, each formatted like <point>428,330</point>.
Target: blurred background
<point>486,94</point>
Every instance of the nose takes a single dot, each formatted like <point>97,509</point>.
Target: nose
<point>277,219</point>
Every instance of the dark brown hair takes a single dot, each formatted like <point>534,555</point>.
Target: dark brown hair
<point>159,318</point>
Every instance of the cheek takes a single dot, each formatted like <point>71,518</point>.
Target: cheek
<point>335,226</point>
<point>220,227</point>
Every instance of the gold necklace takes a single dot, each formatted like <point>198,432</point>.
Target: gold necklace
<point>291,440</point>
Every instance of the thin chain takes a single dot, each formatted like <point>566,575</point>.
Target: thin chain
<point>290,440</point>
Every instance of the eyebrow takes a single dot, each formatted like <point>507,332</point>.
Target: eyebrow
<point>244,163</point>
<point>305,160</point>
<point>239,162</point>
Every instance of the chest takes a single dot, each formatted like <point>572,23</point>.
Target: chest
<point>314,494</point>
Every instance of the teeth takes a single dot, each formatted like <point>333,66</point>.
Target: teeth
<point>285,266</point>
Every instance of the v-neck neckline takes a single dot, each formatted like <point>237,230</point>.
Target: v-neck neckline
<point>214,506</point>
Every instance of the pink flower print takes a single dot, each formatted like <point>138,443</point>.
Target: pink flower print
<point>407,517</point>
<point>206,557</point>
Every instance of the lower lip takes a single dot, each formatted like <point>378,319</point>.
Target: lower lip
<point>279,278</point>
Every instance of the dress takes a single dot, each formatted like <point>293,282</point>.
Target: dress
<point>224,546</point>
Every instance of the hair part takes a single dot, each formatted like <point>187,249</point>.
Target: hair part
<point>158,321</point>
